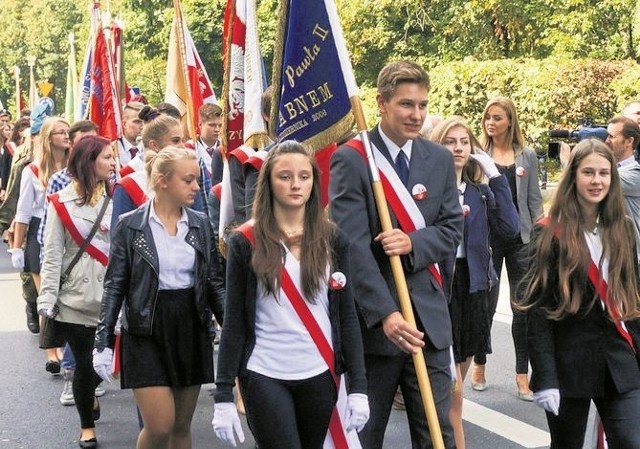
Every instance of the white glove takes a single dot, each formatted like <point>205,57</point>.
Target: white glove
<point>548,399</point>
<point>103,363</point>
<point>17,258</point>
<point>226,421</point>
<point>486,163</point>
<point>357,411</point>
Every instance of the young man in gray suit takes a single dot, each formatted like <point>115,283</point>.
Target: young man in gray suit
<point>424,179</point>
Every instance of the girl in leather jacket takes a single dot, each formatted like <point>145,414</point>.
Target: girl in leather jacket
<point>164,273</point>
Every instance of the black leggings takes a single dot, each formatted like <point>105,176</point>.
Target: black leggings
<point>292,414</point>
<point>85,380</point>
<point>515,255</point>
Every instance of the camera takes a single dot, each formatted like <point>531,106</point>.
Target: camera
<point>587,130</point>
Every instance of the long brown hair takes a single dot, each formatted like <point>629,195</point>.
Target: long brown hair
<point>516,138</point>
<point>472,172</point>
<point>47,165</point>
<point>81,166</point>
<point>564,233</point>
<point>267,258</point>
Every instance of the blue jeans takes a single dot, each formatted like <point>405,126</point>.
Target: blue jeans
<point>68,361</point>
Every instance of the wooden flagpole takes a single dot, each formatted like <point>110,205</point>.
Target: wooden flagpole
<point>419,362</point>
<point>185,70</point>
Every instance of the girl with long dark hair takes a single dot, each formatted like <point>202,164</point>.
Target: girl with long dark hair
<point>583,306</point>
<point>290,325</point>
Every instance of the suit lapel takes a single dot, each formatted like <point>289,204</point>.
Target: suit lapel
<point>519,163</point>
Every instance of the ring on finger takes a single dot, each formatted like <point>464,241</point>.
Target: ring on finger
<point>400,339</point>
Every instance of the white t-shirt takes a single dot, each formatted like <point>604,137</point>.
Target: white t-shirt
<point>284,348</point>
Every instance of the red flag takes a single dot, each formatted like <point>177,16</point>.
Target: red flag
<point>103,101</point>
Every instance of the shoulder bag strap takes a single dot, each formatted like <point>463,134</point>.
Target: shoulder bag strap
<point>86,242</point>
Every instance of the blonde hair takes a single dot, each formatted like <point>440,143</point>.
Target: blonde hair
<point>163,163</point>
<point>156,128</point>
<point>44,153</point>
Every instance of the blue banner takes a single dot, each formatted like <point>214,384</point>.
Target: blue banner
<point>311,103</point>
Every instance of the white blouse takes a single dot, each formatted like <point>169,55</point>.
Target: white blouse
<point>176,258</point>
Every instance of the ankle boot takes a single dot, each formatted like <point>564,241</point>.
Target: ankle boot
<point>33,323</point>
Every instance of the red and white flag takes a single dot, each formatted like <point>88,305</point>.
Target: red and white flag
<point>244,83</point>
<point>188,85</point>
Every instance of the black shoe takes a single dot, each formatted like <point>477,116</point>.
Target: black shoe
<point>33,323</point>
<point>53,367</point>
<point>88,444</point>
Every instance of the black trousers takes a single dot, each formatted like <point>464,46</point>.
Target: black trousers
<point>291,414</point>
<point>620,414</point>
<point>385,373</point>
<point>515,255</point>
<point>85,380</point>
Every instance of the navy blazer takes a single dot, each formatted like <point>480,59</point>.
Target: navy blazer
<point>239,328</point>
<point>353,208</point>
<point>575,353</point>
<point>491,212</point>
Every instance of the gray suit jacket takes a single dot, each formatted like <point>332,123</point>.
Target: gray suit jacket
<point>530,206</point>
<point>352,207</point>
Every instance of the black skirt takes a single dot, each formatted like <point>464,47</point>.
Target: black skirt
<point>178,352</point>
<point>469,316</point>
<point>32,248</point>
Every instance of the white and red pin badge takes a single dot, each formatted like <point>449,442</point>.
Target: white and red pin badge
<point>520,171</point>
<point>419,192</point>
<point>466,210</point>
<point>337,281</point>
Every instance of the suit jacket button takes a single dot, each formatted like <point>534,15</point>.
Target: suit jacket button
<point>85,280</point>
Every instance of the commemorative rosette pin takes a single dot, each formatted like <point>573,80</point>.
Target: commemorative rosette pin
<point>466,210</point>
<point>520,171</point>
<point>337,281</point>
<point>104,226</point>
<point>419,192</point>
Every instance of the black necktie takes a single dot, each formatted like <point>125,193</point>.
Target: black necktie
<point>133,151</point>
<point>402,167</point>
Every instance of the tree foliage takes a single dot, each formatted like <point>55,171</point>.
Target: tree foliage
<point>461,37</point>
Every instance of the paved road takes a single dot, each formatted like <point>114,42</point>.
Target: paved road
<point>31,416</point>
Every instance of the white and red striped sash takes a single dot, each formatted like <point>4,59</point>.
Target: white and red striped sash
<point>36,172</point>
<point>217,190</point>
<point>599,280</point>
<point>79,230</point>
<point>242,153</point>
<point>135,185</point>
<point>399,198</point>
<point>257,159</point>
<point>337,437</point>
<point>136,164</point>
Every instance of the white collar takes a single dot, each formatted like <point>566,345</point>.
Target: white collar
<point>154,216</point>
<point>627,162</point>
<point>394,149</point>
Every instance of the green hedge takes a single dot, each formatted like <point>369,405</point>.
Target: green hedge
<point>549,94</point>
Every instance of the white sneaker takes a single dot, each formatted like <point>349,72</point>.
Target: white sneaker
<point>66,397</point>
<point>100,391</point>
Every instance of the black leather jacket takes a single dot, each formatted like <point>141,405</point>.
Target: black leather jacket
<point>132,276</point>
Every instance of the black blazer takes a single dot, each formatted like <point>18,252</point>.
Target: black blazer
<point>132,275</point>
<point>353,208</point>
<point>238,333</point>
<point>575,353</point>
